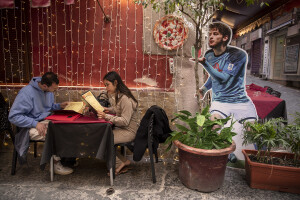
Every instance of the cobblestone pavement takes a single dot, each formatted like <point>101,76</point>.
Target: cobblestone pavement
<point>90,181</point>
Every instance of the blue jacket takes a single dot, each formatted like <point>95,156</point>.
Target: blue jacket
<point>31,105</point>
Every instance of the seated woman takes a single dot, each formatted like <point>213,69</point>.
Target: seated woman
<point>124,106</point>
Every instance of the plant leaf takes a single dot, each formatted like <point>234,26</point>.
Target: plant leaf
<point>182,128</point>
<point>200,120</point>
<point>187,113</point>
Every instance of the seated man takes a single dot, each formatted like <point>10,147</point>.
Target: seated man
<point>33,103</point>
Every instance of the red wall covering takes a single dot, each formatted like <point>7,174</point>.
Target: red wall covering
<point>87,65</point>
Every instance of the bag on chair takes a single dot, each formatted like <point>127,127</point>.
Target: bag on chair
<point>103,99</point>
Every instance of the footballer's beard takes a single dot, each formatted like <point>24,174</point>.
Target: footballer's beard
<point>216,46</point>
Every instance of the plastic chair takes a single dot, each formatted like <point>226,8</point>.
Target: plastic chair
<point>276,93</point>
<point>269,89</point>
<point>129,145</point>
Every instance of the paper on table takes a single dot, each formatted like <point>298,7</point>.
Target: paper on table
<point>76,106</point>
<point>90,99</point>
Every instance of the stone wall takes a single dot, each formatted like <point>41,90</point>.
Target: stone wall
<point>146,98</point>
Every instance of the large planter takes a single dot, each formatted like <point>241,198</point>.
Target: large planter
<point>202,169</point>
<point>272,177</point>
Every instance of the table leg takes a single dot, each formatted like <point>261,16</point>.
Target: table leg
<point>51,168</point>
<point>111,177</point>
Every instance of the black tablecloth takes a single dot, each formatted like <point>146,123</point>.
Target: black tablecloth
<point>79,140</point>
<point>278,111</point>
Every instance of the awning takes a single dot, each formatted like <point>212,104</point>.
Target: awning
<point>280,26</point>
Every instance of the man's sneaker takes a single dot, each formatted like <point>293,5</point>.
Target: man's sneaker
<point>61,170</point>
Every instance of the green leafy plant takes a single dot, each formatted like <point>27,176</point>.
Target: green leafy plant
<point>293,139</point>
<point>266,136</point>
<point>198,132</point>
<point>297,118</point>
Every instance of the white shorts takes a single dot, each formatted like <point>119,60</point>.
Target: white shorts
<point>240,111</point>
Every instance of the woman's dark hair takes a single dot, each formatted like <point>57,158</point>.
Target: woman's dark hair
<point>49,78</point>
<point>121,87</point>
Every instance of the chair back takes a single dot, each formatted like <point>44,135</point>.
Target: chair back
<point>276,93</point>
<point>269,89</point>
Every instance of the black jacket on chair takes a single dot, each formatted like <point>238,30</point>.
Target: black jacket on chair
<point>161,131</point>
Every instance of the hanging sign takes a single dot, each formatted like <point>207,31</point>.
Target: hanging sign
<point>291,59</point>
<point>266,59</point>
<point>7,4</point>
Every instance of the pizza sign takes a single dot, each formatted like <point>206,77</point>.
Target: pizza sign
<point>170,32</point>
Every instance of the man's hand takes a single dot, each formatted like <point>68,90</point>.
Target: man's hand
<point>64,104</point>
<point>100,114</point>
<point>202,60</point>
<point>201,93</point>
<point>41,128</point>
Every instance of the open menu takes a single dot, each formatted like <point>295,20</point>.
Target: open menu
<point>71,112</point>
<point>76,106</point>
<point>91,99</point>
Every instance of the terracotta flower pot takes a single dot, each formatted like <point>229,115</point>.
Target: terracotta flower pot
<point>272,177</point>
<point>202,169</point>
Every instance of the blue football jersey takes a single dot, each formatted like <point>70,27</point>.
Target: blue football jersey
<point>233,62</point>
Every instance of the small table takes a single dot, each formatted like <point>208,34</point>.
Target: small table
<point>85,136</point>
<point>267,106</point>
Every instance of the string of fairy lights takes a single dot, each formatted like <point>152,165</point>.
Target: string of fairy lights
<point>119,37</point>
<point>93,41</point>
<point>109,39</point>
<point>101,51</point>
<point>72,42</point>
<point>79,22</point>
<point>84,54</point>
<point>126,44</point>
<point>116,34</point>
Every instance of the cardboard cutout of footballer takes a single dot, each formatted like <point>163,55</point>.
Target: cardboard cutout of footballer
<point>226,66</point>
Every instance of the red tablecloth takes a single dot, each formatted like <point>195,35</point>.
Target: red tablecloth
<point>60,118</point>
<point>263,102</point>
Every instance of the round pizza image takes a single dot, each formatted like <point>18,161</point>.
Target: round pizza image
<point>170,32</point>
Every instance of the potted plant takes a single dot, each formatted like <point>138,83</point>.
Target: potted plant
<point>270,170</point>
<point>203,150</point>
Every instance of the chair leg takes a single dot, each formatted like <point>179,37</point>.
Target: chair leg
<point>123,151</point>
<point>152,164</point>
<point>14,162</point>
<point>35,149</point>
<point>111,177</point>
<point>51,168</point>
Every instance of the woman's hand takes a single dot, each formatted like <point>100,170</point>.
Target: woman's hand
<point>106,110</point>
<point>101,114</point>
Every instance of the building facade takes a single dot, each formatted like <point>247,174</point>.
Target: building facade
<point>272,43</point>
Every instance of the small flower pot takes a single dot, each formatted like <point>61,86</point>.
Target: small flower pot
<point>272,177</point>
<point>202,169</point>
